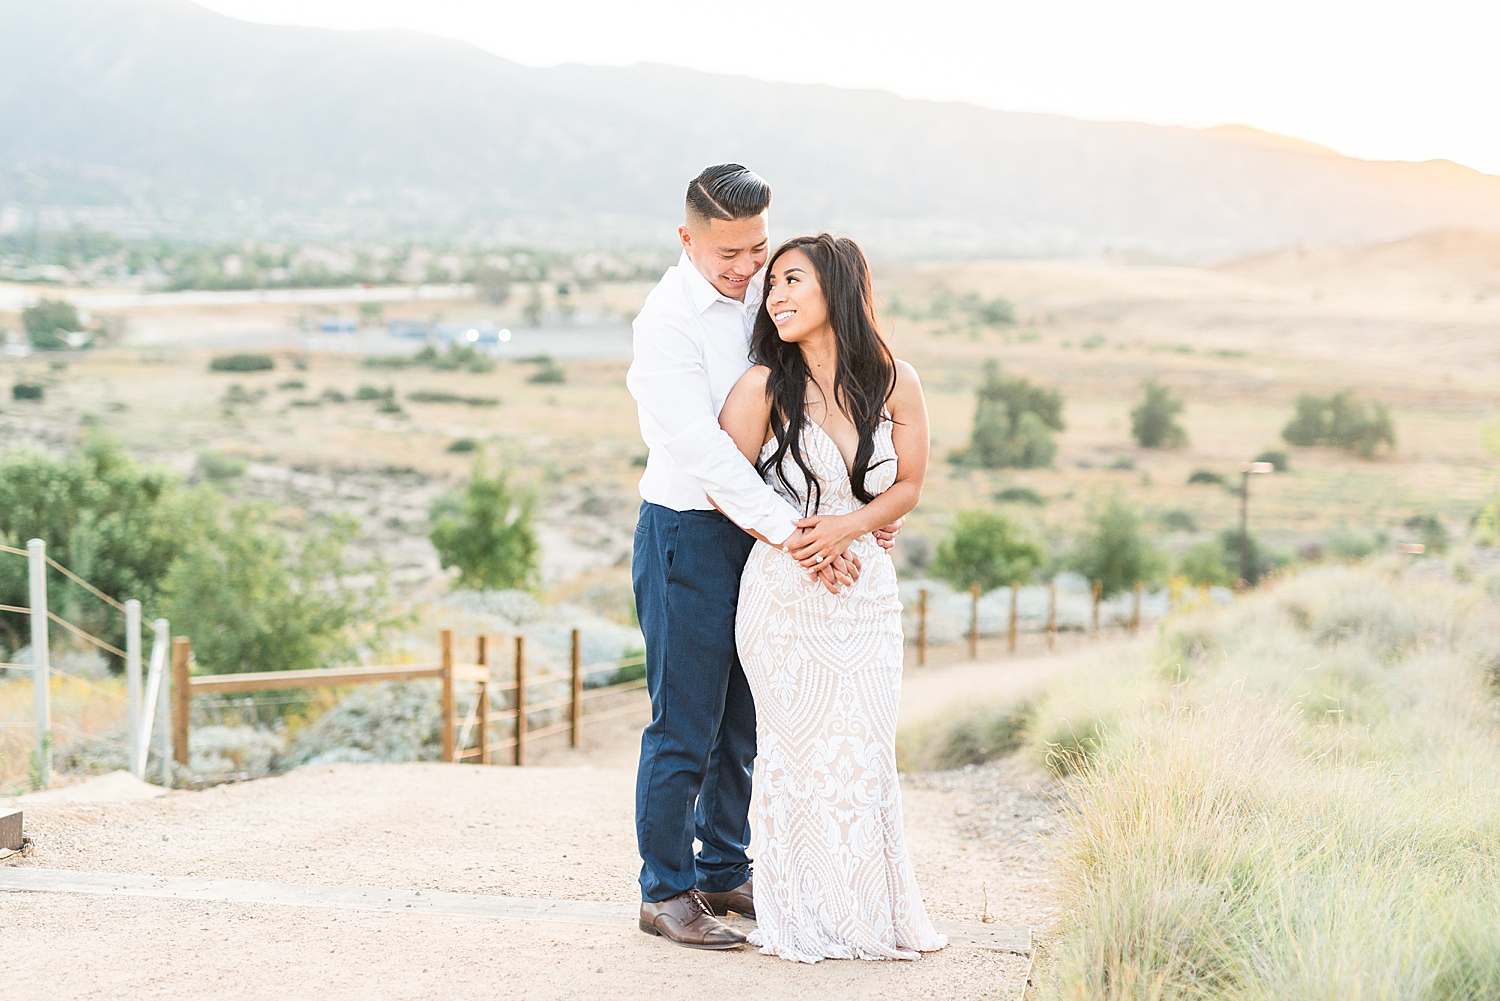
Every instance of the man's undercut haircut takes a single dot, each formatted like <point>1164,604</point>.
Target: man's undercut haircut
<point>726,191</point>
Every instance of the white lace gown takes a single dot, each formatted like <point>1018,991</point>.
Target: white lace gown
<point>832,875</point>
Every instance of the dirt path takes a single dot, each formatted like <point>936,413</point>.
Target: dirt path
<point>562,831</point>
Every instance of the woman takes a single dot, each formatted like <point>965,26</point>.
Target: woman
<point>838,427</point>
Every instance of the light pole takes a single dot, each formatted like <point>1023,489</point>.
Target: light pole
<point>1245,470</point>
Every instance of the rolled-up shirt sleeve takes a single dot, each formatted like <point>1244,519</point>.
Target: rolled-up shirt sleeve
<point>669,382</point>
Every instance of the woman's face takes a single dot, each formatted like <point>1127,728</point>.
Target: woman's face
<point>794,299</point>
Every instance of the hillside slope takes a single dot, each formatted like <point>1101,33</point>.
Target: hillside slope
<point>161,110</point>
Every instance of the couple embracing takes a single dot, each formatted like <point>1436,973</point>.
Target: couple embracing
<point>786,446</point>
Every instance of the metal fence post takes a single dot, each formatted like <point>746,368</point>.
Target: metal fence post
<point>164,705</point>
<point>36,554</point>
<point>133,682</point>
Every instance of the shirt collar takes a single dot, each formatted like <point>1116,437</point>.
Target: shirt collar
<point>702,294</point>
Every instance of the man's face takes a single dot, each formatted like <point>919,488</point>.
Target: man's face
<point>727,252</point>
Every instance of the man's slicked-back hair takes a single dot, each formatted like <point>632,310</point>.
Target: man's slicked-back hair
<point>727,191</point>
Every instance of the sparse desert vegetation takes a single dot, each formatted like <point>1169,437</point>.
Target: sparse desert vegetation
<point>1294,793</point>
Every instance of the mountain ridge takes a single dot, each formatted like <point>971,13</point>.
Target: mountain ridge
<point>164,109</point>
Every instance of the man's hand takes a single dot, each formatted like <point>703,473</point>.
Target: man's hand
<point>887,536</point>
<point>841,571</point>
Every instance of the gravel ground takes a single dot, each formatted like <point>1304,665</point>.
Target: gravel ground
<point>560,830</point>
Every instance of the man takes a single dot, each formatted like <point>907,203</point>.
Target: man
<point>691,345</point>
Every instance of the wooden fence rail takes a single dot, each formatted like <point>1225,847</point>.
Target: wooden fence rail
<point>455,676</point>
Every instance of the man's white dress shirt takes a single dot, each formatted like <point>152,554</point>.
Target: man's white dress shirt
<point>692,344</point>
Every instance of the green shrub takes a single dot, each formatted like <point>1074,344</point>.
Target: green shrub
<point>548,371</point>
<point>486,533</point>
<point>242,363</point>
<point>331,395</point>
<point>1020,495</point>
<point>291,384</point>
<point>1013,423</point>
<point>367,392</point>
<point>1179,520</point>
<point>1277,457</point>
<point>26,391</point>
<point>219,466</point>
<point>1204,564</point>
<point>103,516</point>
<point>972,737</point>
<point>1261,560</point>
<point>443,396</point>
<point>985,549</point>
<point>253,601</point>
<point>1341,421</point>
<point>47,322</point>
<point>1430,532</point>
<point>224,575</point>
<point>1153,423</point>
<point>1207,476</point>
<point>462,445</point>
<point>1116,550</point>
<point>238,394</point>
<point>1350,546</point>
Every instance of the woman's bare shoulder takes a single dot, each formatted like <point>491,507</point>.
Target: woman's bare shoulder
<point>908,388</point>
<point>755,378</point>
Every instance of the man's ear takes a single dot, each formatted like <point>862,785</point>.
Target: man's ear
<point>686,236</point>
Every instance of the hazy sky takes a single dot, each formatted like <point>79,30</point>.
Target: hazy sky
<point>1371,78</point>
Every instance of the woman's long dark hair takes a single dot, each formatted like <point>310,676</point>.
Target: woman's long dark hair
<point>866,372</point>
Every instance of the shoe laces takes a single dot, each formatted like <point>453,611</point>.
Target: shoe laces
<point>700,902</point>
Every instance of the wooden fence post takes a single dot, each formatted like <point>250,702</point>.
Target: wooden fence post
<point>445,644</point>
<point>577,688</point>
<point>1015,594</point>
<point>922,628</point>
<point>1135,611</point>
<point>482,729</point>
<point>1098,596</point>
<point>974,622</point>
<point>1051,614</point>
<point>182,698</point>
<point>520,758</point>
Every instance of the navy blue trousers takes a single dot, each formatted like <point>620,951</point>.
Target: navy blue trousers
<point>697,754</point>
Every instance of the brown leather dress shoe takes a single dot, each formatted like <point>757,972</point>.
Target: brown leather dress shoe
<point>688,920</point>
<point>740,900</point>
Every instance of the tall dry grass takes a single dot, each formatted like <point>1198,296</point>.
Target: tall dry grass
<point>88,720</point>
<point>1297,798</point>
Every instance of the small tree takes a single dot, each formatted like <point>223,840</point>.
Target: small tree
<point>1013,423</point>
<point>1154,421</point>
<point>48,321</point>
<point>486,533</point>
<point>988,550</point>
<point>254,601</point>
<point>492,284</point>
<point>1341,421</point>
<point>1116,550</point>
